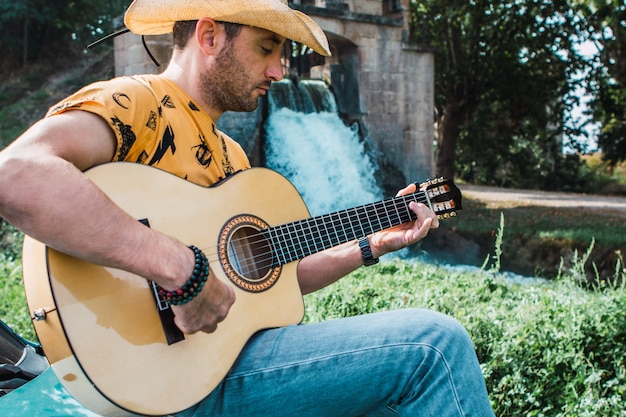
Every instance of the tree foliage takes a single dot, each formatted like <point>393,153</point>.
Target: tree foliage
<point>43,30</point>
<point>505,75</point>
<point>607,30</point>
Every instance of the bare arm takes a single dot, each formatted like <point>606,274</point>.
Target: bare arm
<point>324,268</point>
<point>44,193</point>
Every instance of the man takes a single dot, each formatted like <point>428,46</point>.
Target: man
<point>226,55</point>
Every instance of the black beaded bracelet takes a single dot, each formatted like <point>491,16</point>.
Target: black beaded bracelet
<point>194,284</point>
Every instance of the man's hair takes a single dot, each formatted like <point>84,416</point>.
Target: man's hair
<point>183,30</point>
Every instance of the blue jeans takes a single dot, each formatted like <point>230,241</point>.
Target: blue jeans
<point>399,363</point>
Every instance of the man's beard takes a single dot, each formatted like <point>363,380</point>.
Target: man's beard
<point>225,86</point>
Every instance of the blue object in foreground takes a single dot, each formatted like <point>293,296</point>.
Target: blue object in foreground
<point>44,396</point>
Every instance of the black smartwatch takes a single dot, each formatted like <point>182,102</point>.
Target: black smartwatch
<point>366,252</point>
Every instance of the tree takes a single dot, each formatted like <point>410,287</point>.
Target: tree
<point>607,29</point>
<point>504,76</point>
<point>43,30</point>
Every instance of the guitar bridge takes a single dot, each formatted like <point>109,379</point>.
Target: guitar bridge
<point>172,333</point>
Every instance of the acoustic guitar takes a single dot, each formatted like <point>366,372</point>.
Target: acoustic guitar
<point>113,344</point>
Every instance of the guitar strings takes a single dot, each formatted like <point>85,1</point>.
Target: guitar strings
<point>265,255</point>
<point>292,233</point>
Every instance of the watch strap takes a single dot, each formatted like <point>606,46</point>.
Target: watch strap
<point>366,252</point>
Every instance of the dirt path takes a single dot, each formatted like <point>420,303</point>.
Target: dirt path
<point>501,197</point>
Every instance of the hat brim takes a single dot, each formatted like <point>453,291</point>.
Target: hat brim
<point>157,17</point>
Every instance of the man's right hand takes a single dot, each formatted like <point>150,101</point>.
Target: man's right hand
<point>207,309</point>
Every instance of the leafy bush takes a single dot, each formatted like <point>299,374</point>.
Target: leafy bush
<point>13,308</point>
<point>546,348</point>
<point>10,241</point>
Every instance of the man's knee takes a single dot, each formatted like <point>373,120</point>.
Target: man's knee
<point>438,328</point>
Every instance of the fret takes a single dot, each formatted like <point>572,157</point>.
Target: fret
<point>349,229</point>
<point>302,238</point>
<point>277,252</point>
<point>298,237</point>
<point>360,215</point>
<point>386,217</point>
<point>310,236</point>
<point>402,207</point>
<point>341,216</point>
<point>369,222</point>
<point>376,215</point>
<point>408,214</point>
<point>277,240</point>
<point>293,237</point>
<point>347,225</point>
<point>289,249</point>
<point>395,209</point>
<point>324,235</point>
<point>334,219</point>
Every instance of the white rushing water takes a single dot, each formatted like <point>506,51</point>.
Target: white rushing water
<point>308,143</point>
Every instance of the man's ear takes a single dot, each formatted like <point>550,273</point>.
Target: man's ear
<point>208,33</point>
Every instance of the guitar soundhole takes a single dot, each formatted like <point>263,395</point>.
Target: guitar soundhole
<point>246,254</point>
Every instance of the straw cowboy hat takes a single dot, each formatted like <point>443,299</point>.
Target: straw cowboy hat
<point>156,17</point>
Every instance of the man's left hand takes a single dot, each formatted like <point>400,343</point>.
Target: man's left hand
<point>406,234</point>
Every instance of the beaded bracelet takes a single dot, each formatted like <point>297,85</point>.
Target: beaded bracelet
<point>194,284</point>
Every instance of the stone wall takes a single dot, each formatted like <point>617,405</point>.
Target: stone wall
<point>395,82</point>
<point>371,7</point>
<point>132,58</point>
<point>380,80</point>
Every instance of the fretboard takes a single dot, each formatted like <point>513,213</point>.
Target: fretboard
<point>296,240</point>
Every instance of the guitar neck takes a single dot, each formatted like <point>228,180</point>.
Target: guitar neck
<point>296,240</point>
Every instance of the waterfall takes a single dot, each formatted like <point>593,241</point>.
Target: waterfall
<point>308,143</point>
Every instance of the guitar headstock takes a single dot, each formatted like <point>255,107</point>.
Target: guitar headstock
<point>444,197</point>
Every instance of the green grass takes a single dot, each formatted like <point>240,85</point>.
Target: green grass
<point>13,309</point>
<point>537,238</point>
<point>546,349</point>
<point>27,97</point>
<point>545,222</point>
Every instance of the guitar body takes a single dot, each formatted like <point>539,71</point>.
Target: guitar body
<point>100,327</point>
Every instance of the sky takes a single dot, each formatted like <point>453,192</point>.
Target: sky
<point>587,49</point>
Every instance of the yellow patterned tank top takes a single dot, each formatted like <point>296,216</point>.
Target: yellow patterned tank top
<point>156,123</point>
